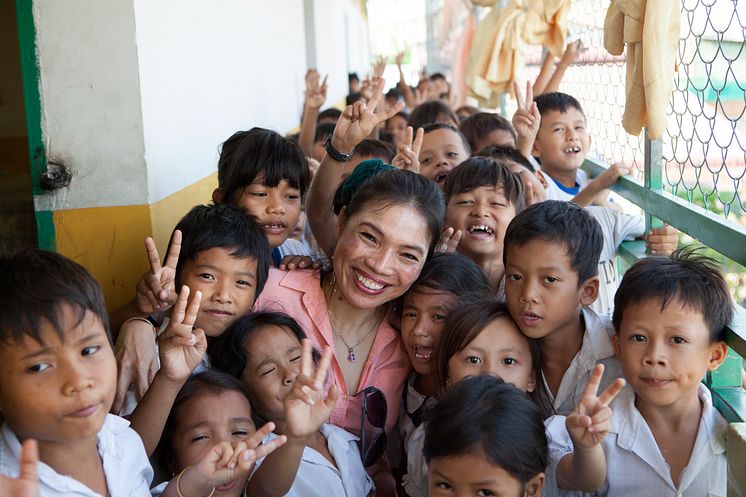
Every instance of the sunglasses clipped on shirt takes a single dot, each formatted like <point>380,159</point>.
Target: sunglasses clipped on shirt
<point>375,411</point>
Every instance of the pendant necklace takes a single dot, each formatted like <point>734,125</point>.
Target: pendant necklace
<point>351,357</point>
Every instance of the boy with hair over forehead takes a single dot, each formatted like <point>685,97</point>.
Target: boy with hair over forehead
<point>551,278</point>
<point>666,438</point>
<point>57,382</point>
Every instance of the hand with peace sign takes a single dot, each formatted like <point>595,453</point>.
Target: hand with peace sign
<point>27,483</point>
<point>306,406</point>
<point>315,92</point>
<point>526,119</point>
<point>449,240</point>
<point>224,463</point>
<point>182,346</point>
<point>360,119</point>
<point>589,423</point>
<point>585,468</point>
<point>408,152</point>
<point>156,290</point>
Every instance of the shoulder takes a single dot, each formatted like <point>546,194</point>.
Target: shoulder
<point>599,330</point>
<point>282,284</point>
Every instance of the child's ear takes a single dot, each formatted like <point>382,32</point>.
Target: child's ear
<point>718,352</point>
<point>217,195</point>
<point>617,348</point>
<point>542,179</point>
<point>534,486</point>
<point>589,291</point>
<point>535,148</point>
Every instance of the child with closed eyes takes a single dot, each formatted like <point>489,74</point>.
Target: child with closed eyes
<point>269,352</point>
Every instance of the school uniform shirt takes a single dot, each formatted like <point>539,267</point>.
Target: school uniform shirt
<point>616,228</point>
<point>558,191</point>
<point>317,476</point>
<point>596,349</point>
<point>634,463</point>
<point>126,466</point>
<point>291,246</point>
<point>412,431</point>
<point>299,294</point>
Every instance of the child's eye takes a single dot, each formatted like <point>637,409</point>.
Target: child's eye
<point>452,154</point>
<point>295,359</point>
<point>514,277</point>
<point>207,276</point>
<point>240,433</point>
<point>439,317</point>
<point>266,372</point>
<point>580,128</point>
<point>444,485</point>
<point>258,194</point>
<point>38,368</point>
<point>559,129</point>
<point>90,350</point>
<point>293,196</point>
<point>464,202</point>
<point>243,283</point>
<point>409,314</point>
<point>551,279</point>
<point>638,338</point>
<point>472,359</point>
<point>678,340</point>
<point>499,204</point>
<point>483,492</point>
<point>197,438</point>
<point>509,361</point>
<point>426,160</point>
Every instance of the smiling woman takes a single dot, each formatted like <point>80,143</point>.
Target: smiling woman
<point>384,235</point>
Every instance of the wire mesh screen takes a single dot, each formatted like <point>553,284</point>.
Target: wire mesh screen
<point>704,146</point>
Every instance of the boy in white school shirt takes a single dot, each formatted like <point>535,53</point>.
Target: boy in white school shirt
<point>666,437</point>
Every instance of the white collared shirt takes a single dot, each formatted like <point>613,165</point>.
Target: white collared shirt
<point>596,349</point>
<point>317,476</point>
<point>634,463</point>
<point>126,466</point>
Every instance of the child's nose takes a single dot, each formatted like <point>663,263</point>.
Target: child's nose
<point>222,293</point>
<point>76,379</point>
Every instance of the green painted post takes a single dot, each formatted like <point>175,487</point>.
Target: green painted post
<point>32,104</point>
<point>653,174</point>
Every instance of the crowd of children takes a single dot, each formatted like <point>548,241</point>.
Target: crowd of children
<point>419,301</point>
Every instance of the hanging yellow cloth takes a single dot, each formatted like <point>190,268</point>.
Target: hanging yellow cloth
<point>496,50</point>
<point>651,32</point>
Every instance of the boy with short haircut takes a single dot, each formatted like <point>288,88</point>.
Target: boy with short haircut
<point>57,382</point>
<point>482,197</point>
<point>443,148</point>
<point>666,437</point>
<point>216,249</point>
<point>486,128</point>
<point>551,255</point>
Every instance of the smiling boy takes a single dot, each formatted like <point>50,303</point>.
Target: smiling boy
<point>57,381</point>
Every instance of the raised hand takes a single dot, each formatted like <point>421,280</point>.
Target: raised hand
<point>156,290</point>
<point>360,119</point>
<point>449,240</point>
<point>27,483</point>
<point>182,346</point>
<point>226,462</point>
<point>378,67</point>
<point>306,407</point>
<point>315,92</point>
<point>590,422</point>
<point>663,240</point>
<point>408,152</point>
<point>526,119</point>
<point>137,360</point>
<point>399,58</point>
<point>612,175</point>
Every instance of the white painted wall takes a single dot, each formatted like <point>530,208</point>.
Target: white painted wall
<point>137,96</point>
<point>90,98</point>
<point>208,69</point>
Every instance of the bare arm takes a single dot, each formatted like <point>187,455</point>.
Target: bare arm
<point>568,57</point>
<point>314,98</point>
<point>590,194</point>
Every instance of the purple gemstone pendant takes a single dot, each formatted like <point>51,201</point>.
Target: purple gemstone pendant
<point>350,355</point>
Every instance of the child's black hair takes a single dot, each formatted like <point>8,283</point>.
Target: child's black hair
<point>465,324</point>
<point>260,153</point>
<point>477,127</point>
<point>402,187</point>
<point>394,94</point>
<point>210,381</point>
<point>229,353</point>
<point>376,149</point>
<point>507,154</point>
<point>209,226</point>
<point>547,102</point>
<point>484,414</point>
<point>687,277</point>
<point>323,131</point>
<point>352,77</point>
<point>451,272</point>
<point>332,113</point>
<point>565,224</point>
<point>37,284</point>
<point>436,126</point>
<point>403,114</point>
<point>431,112</point>
<point>485,171</point>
